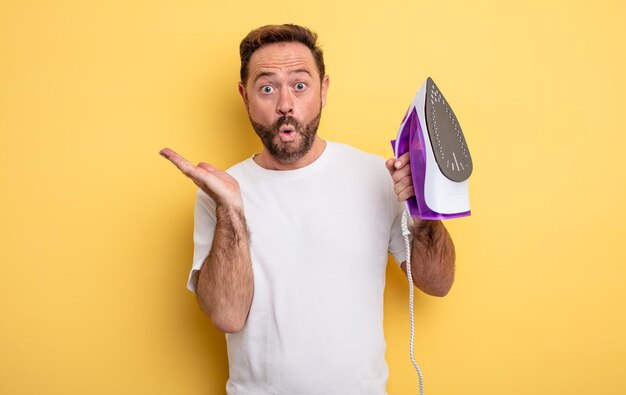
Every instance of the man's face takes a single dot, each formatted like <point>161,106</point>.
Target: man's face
<point>284,98</point>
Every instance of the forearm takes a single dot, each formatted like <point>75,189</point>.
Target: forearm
<point>432,257</point>
<point>225,284</point>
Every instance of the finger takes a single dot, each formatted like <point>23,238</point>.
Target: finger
<point>171,155</point>
<point>406,193</point>
<point>217,173</point>
<point>167,152</point>
<point>403,160</point>
<point>389,164</point>
<point>181,163</point>
<point>399,174</point>
<point>207,167</point>
<point>402,185</point>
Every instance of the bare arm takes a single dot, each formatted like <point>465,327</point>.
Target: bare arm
<point>432,249</point>
<point>225,285</point>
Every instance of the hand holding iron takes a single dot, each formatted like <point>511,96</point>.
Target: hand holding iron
<point>400,170</point>
<point>219,185</point>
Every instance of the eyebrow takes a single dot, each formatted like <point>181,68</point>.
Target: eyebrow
<point>271,73</point>
<point>300,71</point>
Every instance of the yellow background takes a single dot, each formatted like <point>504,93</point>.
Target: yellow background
<point>96,228</point>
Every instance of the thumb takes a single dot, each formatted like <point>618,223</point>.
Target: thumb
<point>206,166</point>
<point>390,164</point>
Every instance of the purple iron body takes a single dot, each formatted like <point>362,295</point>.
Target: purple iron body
<point>440,160</point>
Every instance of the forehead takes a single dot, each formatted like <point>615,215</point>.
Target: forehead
<point>282,57</point>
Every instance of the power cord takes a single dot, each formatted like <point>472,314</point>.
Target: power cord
<point>407,245</point>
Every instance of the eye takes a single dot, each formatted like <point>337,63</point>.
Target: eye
<point>300,86</point>
<point>267,89</point>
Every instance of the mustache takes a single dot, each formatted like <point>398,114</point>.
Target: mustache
<point>285,120</point>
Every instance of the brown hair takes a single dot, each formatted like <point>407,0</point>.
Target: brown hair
<point>277,34</point>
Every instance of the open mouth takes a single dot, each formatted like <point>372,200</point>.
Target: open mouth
<point>287,132</point>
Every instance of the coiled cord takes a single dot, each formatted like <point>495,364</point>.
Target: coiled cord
<point>407,244</point>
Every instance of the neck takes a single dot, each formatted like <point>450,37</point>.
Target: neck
<point>267,161</point>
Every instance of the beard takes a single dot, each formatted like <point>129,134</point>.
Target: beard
<point>288,151</point>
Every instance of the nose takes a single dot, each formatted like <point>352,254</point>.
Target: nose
<point>285,103</point>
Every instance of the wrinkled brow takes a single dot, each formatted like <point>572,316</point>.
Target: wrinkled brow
<point>271,73</point>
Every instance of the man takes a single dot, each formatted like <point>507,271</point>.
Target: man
<point>291,244</point>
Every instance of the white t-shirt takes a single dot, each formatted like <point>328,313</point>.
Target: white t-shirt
<point>319,238</point>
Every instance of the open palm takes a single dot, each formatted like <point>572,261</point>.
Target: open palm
<point>219,185</point>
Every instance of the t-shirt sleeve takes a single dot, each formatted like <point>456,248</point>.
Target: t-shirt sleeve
<point>396,240</point>
<point>204,221</point>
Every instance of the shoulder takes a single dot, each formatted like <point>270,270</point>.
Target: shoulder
<point>240,168</point>
<point>347,151</point>
<point>355,158</point>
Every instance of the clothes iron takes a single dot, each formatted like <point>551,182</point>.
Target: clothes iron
<point>439,158</point>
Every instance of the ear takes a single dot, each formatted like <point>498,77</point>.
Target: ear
<point>244,94</point>
<point>325,84</point>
